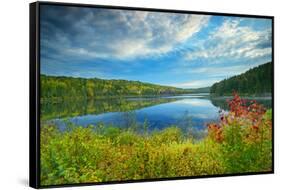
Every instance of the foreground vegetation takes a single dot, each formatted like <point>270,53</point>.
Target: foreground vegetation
<point>240,142</point>
<point>256,81</point>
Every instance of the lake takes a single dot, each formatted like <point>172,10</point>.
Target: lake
<point>190,112</point>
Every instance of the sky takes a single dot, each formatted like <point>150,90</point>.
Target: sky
<point>180,50</point>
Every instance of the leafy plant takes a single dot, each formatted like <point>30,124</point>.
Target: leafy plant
<point>240,142</point>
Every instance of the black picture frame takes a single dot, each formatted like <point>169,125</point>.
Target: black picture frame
<point>34,93</point>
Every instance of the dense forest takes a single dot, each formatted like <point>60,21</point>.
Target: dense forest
<point>200,90</point>
<point>256,81</point>
<point>60,88</point>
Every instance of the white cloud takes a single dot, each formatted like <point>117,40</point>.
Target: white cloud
<point>258,52</point>
<point>196,83</point>
<point>154,34</point>
<point>224,71</point>
<point>233,40</point>
<point>118,34</point>
<point>192,25</point>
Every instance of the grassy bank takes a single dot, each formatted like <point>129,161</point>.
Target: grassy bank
<point>240,142</point>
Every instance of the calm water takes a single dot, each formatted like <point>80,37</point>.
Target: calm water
<point>191,111</point>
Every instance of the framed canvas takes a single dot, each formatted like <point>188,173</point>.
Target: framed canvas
<point>126,94</point>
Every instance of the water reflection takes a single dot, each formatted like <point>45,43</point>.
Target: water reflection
<point>189,112</point>
<point>221,102</point>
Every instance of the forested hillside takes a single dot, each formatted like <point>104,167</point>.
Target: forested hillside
<point>200,90</point>
<point>68,87</point>
<point>256,81</point>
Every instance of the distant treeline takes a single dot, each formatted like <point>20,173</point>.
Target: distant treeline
<point>59,88</point>
<point>200,90</point>
<point>256,81</point>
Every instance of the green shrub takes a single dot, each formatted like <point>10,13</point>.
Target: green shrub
<point>240,142</point>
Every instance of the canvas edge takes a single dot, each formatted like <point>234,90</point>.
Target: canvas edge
<point>34,178</point>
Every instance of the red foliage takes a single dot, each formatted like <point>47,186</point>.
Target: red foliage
<point>241,112</point>
<point>241,108</point>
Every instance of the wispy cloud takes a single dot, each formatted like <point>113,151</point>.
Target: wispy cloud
<point>196,83</point>
<point>183,50</point>
<point>222,71</point>
<point>233,40</point>
<point>105,33</point>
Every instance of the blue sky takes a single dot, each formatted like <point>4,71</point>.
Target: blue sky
<point>181,50</point>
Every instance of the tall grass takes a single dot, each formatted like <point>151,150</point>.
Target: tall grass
<point>240,142</point>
